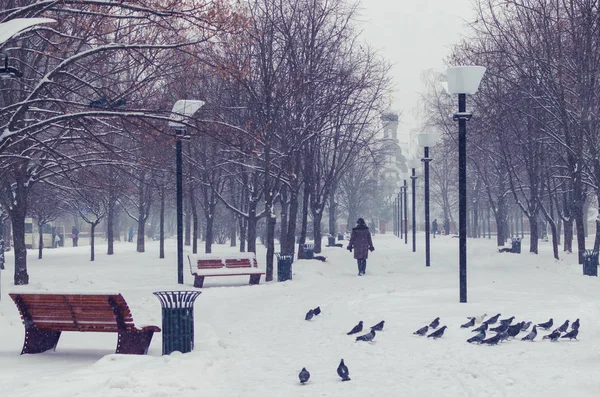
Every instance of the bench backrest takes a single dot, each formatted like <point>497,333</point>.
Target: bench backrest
<point>237,263</point>
<point>210,264</point>
<point>74,312</point>
<point>230,263</point>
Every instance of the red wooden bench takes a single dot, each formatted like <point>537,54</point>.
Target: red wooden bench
<point>45,316</point>
<point>214,267</point>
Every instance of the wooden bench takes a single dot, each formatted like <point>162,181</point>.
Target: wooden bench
<point>214,267</point>
<point>45,316</point>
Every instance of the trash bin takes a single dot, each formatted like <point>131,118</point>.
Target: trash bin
<point>331,240</point>
<point>516,245</point>
<point>340,236</point>
<point>590,263</point>
<point>309,251</point>
<point>300,251</point>
<point>284,266</point>
<point>177,320</point>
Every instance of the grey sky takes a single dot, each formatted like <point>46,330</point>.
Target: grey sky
<point>414,36</point>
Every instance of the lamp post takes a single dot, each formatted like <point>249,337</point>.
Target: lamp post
<point>182,109</point>
<point>463,80</point>
<point>427,140</point>
<point>400,213</point>
<point>413,164</point>
<point>405,212</point>
<point>394,215</point>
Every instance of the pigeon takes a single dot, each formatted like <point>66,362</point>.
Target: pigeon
<point>547,324</point>
<point>477,338</point>
<point>492,341</point>
<point>531,336</point>
<point>434,324</point>
<point>421,331</point>
<point>479,319</point>
<point>304,376</point>
<point>575,325</point>
<point>482,327</point>
<point>378,326</point>
<point>437,333</point>
<point>513,330</point>
<point>469,323</point>
<point>507,321</point>
<point>553,336</point>
<point>503,336</point>
<point>99,103</point>
<point>526,326</point>
<point>368,337</point>
<point>501,328</point>
<point>564,327</point>
<point>342,371</point>
<point>309,315</point>
<point>357,328</point>
<point>493,319</point>
<point>571,334</point>
<point>317,310</point>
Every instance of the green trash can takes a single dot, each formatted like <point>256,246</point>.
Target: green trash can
<point>516,245</point>
<point>331,240</point>
<point>590,263</point>
<point>309,251</point>
<point>177,320</point>
<point>340,237</point>
<point>284,266</point>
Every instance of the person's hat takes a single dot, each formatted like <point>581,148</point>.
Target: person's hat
<point>360,221</point>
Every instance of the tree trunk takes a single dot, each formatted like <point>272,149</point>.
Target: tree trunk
<point>17,217</point>
<point>568,235</point>
<point>161,226</point>
<point>92,239</point>
<point>283,228</point>
<point>243,236</point>
<point>271,221</point>
<point>252,221</point>
<point>209,235</point>
<point>40,240</point>
<point>233,233</point>
<point>110,219</point>
<point>187,223</point>
<point>332,214</point>
<point>317,217</point>
<point>141,230</point>
<point>533,233</point>
<point>304,220</point>
<point>290,240</point>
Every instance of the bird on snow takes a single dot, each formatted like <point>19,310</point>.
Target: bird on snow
<point>482,327</point>
<point>357,328</point>
<point>493,319</point>
<point>571,334</point>
<point>477,338</point>
<point>309,315</point>
<point>526,326</point>
<point>553,336</point>
<point>575,325</point>
<point>421,331</point>
<point>368,337</point>
<point>469,323</point>
<point>564,327</point>
<point>513,330</point>
<point>342,371</point>
<point>438,333</point>
<point>507,321</point>
<point>547,324</point>
<point>304,376</point>
<point>317,310</point>
<point>503,336</point>
<point>492,341</point>
<point>531,336</point>
<point>479,319</point>
<point>434,324</point>
<point>500,328</point>
<point>378,326</point>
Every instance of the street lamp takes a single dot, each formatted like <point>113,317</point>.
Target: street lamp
<point>413,164</point>
<point>405,220</point>
<point>400,212</point>
<point>463,80</point>
<point>427,140</point>
<point>182,109</point>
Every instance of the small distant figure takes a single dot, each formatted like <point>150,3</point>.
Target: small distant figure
<point>361,242</point>
<point>434,227</point>
<point>304,376</point>
<point>343,372</point>
<point>357,328</point>
<point>130,237</point>
<point>75,235</point>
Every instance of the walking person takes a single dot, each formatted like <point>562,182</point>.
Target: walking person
<point>434,227</point>
<point>130,239</point>
<point>74,235</point>
<point>361,242</point>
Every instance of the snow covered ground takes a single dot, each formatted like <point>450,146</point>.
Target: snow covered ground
<point>253,340</point>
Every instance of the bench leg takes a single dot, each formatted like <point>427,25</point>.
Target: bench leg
<point>255,279</point>
<point>134,342</point>
<point>198,281</point>
<point>37,341</point>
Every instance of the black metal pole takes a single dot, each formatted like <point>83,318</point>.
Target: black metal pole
<point>400,213</point>
<point>462,196</point>
<point>414,210</point>
<point>394,215</point>
<point>179,177</point>
<point>405,213</point>
<point>426,160</point>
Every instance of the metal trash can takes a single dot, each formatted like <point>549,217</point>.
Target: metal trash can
<point>309,251</point>
<point>284,266</point>
<point>331,240</point>
<point>177,320</point>
<point>340,237</point>
<point>516,245</point>
<point>590,263</point>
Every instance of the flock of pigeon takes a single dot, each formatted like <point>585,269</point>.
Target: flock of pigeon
<point>504,330</point>
<point>342,369</point>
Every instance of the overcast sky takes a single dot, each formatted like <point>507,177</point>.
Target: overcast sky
<point>414,35</point>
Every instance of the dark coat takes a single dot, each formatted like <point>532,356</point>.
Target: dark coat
<point>360,241</point>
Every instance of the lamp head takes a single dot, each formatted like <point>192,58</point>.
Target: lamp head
<point>183,108</point>
<point>464,79</point>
